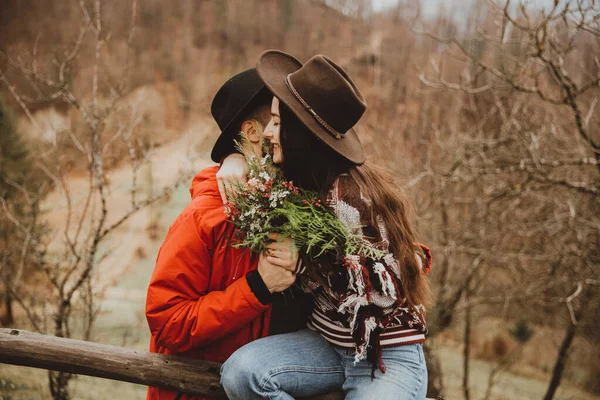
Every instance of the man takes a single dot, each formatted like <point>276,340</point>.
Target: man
<point>206,299</point>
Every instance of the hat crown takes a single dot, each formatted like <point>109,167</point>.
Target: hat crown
<point>321,95</point>
<point>233,101</point>
<point>234,95</point>
<point>327,91</point>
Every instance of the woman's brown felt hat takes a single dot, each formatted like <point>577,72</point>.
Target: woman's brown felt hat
<point>321,95</point>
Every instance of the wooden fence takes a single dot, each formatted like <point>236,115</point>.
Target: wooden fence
<point>196,377</point>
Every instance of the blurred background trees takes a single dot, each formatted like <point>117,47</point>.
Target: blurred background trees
<point>21,229</point>
<point>486,112</point>
<point>75,156</point>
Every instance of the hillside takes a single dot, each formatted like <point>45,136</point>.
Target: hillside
<point>504,182</point>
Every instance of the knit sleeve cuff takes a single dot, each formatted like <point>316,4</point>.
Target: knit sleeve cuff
<point>258,287</point>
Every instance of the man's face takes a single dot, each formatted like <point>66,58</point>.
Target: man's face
<point>273,132</point>
<point>253,128</point>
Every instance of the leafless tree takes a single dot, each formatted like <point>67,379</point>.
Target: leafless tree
<point>70,260</point>
<point>522,94</point>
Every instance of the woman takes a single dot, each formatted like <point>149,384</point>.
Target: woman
<point>366,332</point>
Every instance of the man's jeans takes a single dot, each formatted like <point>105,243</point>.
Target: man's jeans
<point>303,364</point>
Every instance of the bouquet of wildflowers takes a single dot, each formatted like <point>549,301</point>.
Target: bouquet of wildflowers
<point>267,203</point>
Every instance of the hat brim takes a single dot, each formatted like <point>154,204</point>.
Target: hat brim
<point>273,67</point>
<point>224,144</point>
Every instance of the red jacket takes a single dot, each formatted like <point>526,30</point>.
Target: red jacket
<point>199,303</point>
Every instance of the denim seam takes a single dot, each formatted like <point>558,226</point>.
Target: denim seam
<point>267,377</point>
<point>304,369</point>
<point>421,356</point>
<point>275,395</point>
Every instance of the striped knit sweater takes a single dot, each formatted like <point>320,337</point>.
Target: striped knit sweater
<point>361,305</point>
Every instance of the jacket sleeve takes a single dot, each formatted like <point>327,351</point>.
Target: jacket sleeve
<point>181,312</point>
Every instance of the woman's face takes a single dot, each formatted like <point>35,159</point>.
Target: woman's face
<point>273,130</point>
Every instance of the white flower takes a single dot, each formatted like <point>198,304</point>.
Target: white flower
<point>253,182</point>
<point>255,227</point>
<point>273,199</point>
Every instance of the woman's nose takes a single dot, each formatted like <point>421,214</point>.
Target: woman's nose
<point>268,133</point>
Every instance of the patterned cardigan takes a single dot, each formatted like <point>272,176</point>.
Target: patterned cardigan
<point>361,304</point>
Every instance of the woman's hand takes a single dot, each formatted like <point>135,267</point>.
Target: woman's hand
<point>234,169</point>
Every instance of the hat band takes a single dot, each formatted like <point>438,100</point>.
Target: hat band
<point>320,120</point>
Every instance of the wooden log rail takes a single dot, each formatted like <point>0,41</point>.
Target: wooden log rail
<point>195,377</point>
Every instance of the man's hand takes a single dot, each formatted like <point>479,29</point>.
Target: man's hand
<point>276,278</point>
<point>282,252</point>
<point>233,169</point>
<point>276,266</point>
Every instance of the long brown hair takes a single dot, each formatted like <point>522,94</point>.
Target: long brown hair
<point>393,207</point>
<point>313,165</point>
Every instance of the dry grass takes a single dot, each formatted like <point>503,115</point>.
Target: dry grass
<point>496,348</point>
<point>141,253</point>
<point>492,342</point>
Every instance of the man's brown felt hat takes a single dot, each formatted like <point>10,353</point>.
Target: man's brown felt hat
<point>321,95</point>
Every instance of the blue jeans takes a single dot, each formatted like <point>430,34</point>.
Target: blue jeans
<point>303,364</point>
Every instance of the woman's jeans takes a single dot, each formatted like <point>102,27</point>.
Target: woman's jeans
<point>303,364</point>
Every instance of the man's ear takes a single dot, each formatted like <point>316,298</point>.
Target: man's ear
<point>250,131</point>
